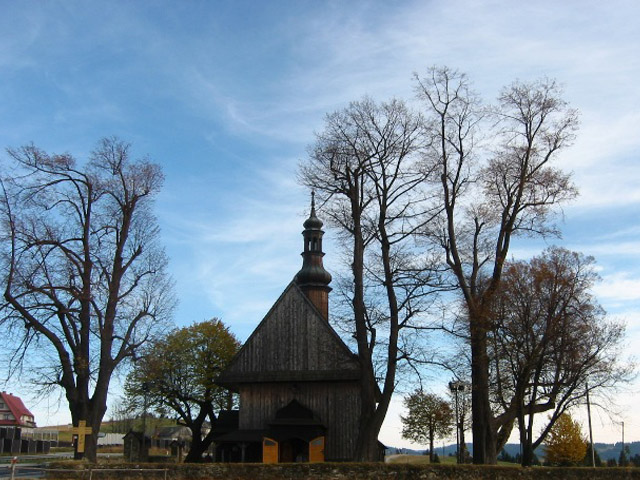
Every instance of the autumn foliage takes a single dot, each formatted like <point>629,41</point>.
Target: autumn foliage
<point>565,444</point>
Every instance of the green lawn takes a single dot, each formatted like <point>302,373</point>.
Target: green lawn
<point>418,459</point>
<point>424,459</point>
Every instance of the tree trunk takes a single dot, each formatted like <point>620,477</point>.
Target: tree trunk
<point>199,444</point>
<point>527,453</point>
<point>367,442</point>
<point>484,433</point>
<point>526,442</point>
<point>463,445</point>
<point>432,456</point>
<point>366,448</point>
<point>90,448</point>
<point>92,411</point>
<point>197,449</point>
<point>373,415</point>
<point>93,419</point>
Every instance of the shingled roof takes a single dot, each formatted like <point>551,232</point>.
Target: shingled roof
<point>293,343</point>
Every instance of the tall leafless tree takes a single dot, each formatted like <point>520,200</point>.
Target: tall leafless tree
<point>486,203</point>
<point>85,279</point>
<point>550,339</point>
<point>365,167</point>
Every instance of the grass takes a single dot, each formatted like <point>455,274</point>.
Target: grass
<point>419,459</point>
<point>424,460</point>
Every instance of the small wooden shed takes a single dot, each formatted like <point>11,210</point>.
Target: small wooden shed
<point>136,446</point>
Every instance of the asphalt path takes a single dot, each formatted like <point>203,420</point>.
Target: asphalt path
<point>37,458</point>
<point>35,466</point>
<point>24,470</point>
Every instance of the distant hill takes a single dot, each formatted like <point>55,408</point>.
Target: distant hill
<point>608,450</point>
<point>447,450</point>
<point>605,450</point>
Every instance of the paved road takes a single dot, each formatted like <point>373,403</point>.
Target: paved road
<point>37,458</point>
<point>24,470</point>
<point>32,467</point>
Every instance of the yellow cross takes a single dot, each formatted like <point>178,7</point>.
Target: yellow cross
<point>81,431</point>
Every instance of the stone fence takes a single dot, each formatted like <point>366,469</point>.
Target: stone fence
<point>330,471</point>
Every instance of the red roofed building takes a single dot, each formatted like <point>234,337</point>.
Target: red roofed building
<point>13,412</point>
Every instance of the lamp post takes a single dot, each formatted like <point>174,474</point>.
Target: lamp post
<point>457,386</point>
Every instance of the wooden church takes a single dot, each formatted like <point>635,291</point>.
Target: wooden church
<point>297,381</point>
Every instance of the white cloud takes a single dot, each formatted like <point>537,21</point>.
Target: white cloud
<point>612,249</point>
<point>619,287</point>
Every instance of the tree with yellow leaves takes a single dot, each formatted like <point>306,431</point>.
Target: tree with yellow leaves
<point>566,446</point>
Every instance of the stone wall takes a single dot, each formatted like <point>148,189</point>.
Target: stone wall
<point>336,471</point>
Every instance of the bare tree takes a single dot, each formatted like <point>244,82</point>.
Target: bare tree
<point>550,338</point>
<point>488,203</point>
<point>367,172</point>
<point>122,417</point>
<point>85,280</point>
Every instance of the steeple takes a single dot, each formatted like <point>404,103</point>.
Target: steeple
<point>312,278</point>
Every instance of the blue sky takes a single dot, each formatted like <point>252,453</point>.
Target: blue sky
<point>226,96</point>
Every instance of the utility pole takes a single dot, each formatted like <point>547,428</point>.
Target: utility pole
<point>593,448</point>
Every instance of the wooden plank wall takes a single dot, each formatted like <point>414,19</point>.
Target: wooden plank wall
<point>337,405</point>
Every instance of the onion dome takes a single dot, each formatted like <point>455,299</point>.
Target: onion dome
<point>313,222</point>
<point>312,278</point>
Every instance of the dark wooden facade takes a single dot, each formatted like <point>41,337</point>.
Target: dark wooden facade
<point>294,354</point>
<point>293,342</point>
<point>298,382</point>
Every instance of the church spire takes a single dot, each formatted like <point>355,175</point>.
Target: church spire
<point>313,204</point>
<point>312,278</point>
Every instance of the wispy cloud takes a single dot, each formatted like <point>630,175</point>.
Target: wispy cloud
<point>619,288</point>
<point>629,249</point>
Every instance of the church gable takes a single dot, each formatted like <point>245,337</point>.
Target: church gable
<point>292,343</point>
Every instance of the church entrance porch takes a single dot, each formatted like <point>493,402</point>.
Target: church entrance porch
<point>295,435</point>
<point>294,450</point>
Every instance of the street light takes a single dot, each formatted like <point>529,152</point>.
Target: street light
<point>457,386</point>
